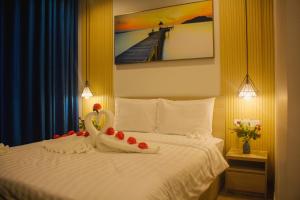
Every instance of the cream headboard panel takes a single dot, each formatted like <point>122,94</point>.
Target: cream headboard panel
<point>219,118</point>
<point>219,112</point>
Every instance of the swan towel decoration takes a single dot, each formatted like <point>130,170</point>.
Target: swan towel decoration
<point>105,140</point>
<point>119,142</point>
<point>69,144</point>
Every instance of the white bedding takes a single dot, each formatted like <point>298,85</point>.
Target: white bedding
<point>183,169</point>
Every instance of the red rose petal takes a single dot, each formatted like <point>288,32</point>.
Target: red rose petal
<point>78,133</point>
<point>86,134</point>
<point>110,131</point>
<point>81,133</point>
<point>56,136</point>
<point>71,132</point>
<point>143,145</point>
<point>131,140</point>
<point>120,135</point>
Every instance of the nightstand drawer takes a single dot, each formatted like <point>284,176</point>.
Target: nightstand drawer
<point>248,182</point>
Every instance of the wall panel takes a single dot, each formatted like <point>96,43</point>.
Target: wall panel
<point>261,69</point>
<point>101,48</point>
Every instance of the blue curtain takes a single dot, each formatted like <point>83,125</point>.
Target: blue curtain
<point>38,69</point>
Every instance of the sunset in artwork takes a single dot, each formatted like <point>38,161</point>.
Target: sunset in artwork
<point>183,31</point>
<point>169,16</point>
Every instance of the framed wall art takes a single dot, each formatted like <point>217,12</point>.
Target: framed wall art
<point>170,33</point>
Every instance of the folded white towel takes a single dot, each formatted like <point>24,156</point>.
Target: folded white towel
<point>88,121</point>
<point>69,145</point>
<point>3,149</point>
<point>112,143</point>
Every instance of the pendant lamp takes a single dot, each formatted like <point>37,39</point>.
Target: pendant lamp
<point>247,88</point>
<point>87,93</point>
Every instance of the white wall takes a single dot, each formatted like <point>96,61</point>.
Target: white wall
<point>287,149</point>
<point>196,78</point>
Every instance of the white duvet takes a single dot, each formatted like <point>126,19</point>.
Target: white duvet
<point>183,169</point>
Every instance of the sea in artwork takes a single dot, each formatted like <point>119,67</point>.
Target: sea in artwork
<point>125,40</point>
<point>183,41</point>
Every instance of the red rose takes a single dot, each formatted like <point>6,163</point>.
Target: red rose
<point>71,132</point>
<point>143,145</point>
<point>120,135</point>
<point>131,140</point>
<point>97,107</point>
<point>86,134</point>
<point>258,127</point>
<point>56,136</point>
<point>110,131</point>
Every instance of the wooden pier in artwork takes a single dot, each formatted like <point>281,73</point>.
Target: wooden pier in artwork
<point>149,49</point>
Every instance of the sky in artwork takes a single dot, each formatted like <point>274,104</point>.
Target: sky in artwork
<point>169,16</point>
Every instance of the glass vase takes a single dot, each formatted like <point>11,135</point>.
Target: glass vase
<point>246,147</point>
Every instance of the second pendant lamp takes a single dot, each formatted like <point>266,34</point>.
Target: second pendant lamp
<point>247,88</point>
<point>87,93</point>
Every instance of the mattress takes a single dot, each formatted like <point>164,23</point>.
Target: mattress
<point>183,169</point>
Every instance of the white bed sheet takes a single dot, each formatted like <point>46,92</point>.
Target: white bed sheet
<point>183,169</point>
<point>219,143</point>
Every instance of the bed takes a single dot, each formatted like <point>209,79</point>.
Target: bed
<point>185,168</point>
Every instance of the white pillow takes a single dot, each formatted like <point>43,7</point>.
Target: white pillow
<point>135,114</point>
<point>185,117</point>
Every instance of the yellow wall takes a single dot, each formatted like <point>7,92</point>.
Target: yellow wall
<point>233,68</point>
<point>101,48</point>
<point>261,68</point>
<point>182,75</point>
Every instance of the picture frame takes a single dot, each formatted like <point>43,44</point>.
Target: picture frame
<point>177,32</point>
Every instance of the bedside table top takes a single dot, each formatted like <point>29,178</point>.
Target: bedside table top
<point>254,155</point>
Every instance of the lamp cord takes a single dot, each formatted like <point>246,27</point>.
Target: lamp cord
<point>246,20</point>
<point>86,42</point>
<point>89,38</point>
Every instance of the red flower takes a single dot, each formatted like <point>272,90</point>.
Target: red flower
<point>110,131</point>
<point>131,140</point>
<point>143,145</point>
<point>56,136</point>
<point>258,127</point>
<point>71,132</point>
<point>97,107</point>
<point>120,135</point>
<point>86,134</point>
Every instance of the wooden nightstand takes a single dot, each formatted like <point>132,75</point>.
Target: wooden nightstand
<point>247,172</point>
